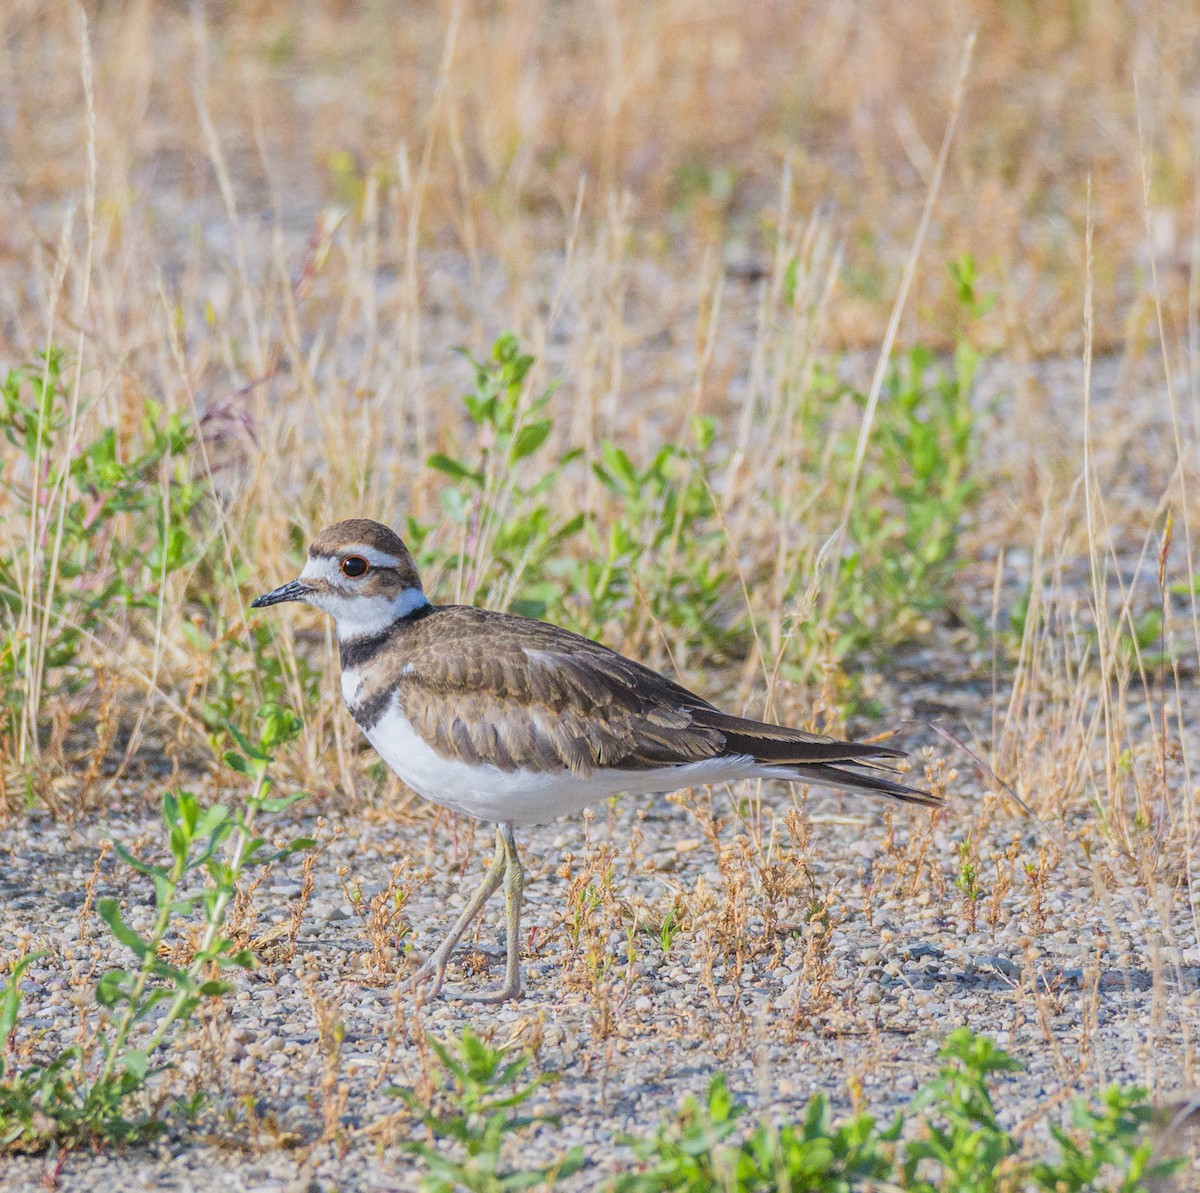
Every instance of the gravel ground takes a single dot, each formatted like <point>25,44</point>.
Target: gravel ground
<point>822,945</point>
<point>1089,981</point>
<point>1072,963</point>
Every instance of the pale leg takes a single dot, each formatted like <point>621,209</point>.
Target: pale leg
<point>434,969</point>
<point>514,893</point>
<point>514,896</point>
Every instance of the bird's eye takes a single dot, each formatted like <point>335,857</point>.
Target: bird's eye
<point>354,565</point>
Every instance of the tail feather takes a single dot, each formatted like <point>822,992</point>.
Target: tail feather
<point>786,753</point>
<point>772,744</point>
<point>868,781</point>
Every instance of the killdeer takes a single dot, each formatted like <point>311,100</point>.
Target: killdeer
<point>516,721</point>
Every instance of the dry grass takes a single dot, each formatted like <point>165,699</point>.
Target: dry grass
<point>686,108</point>
<point>276,219</point>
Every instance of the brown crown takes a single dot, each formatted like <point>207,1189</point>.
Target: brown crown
<point>333,540</point>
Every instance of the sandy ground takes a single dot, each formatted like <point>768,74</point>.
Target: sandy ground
<point>867,959</point>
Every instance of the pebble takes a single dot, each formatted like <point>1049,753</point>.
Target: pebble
<point>998,963</point>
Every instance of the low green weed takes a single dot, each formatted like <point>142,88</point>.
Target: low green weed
<point>914,496</point>
<point>473,1114</point>
<point>665,544</point>
<point>916,491</point>
<point>95,528</point>
<point>967,881</point>
<point>501,500</point>
<point>961,1142</point>
<point>1107,1148</point>
<point>949,1140</point>
<point>85,1095</point>
<point>696,1153</point>
<point>662,552</point>
<point>94,539</point>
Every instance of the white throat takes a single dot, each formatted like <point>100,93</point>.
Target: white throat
<point>369,616</point>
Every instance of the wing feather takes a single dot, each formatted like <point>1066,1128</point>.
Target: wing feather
<point>523,694</point>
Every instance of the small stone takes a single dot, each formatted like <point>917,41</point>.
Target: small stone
<point>921,949</point>
<point>999,963</point>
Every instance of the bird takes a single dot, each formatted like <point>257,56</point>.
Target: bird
<point>517,721</point>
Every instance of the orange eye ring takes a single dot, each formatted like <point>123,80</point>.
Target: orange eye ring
<point>354,566</point>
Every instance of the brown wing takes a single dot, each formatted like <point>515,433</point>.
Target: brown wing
<point>518,696</point>
<point>517,693</point>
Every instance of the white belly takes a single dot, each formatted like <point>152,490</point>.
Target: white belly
<point>525,796</point>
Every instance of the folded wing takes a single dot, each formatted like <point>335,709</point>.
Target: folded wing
<point>537,697</point>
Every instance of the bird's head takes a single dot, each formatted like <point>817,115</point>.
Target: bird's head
<point>360,573</point>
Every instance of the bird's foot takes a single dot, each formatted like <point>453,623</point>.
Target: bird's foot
<point>429,983</point>
<point>428,980</point>
<point>509,992</point>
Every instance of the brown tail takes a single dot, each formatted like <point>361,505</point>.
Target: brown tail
<point>813,758</point>
<point>860,780</point>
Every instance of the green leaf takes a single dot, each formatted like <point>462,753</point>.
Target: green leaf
<point>529,439</point>
<point>251,751</point>
<point>279,802</point>
<point>10,999</point>
<point>110,912</point>
<point>619,467</point>
<point>164,891</point>
<point>212,819</point>
<point>296,846</point>
<point>135,862</point>
<point>454,468</point>
<point>280,725</point>
<point>136,1062</point>
<point>237,762</point>
<point>113,987</point>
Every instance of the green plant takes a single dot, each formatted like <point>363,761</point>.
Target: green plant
<point>95,538</point>
<point>666,541</point>
<point>668,931</point>
<point>510,528</point>
<point>95,530</point>
<point>948,1140</point>
<point>474,1112</point>
<point>967,881</point>
<point>962,1137</point>
<point>916,490</point>
<point>84,1095</point>
<point>1110,1149</point>
<point>692,1154</point>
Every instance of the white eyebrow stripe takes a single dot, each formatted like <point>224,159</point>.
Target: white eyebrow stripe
<point>375,557</point>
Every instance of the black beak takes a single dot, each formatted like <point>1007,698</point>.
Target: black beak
<point>293,590</point>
